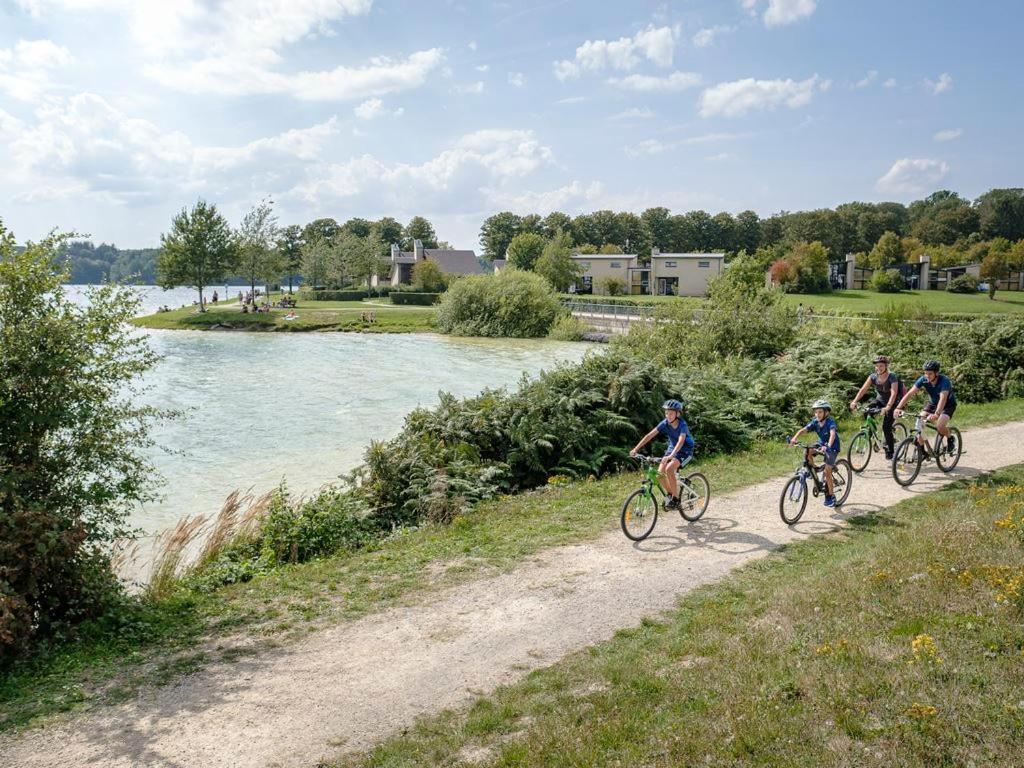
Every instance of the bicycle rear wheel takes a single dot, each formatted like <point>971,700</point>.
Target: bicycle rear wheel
<point>639,514</point>
<point>859,453</point>
<point>793,501</point>
<point>842,481</point>
<point>694,495</point>
<point>947,461</point>
<point>906,461</point>
<point>899,431</point>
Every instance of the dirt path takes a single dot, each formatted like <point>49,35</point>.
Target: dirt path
<point>353,685</point>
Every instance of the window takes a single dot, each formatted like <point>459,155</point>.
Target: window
<point>670,265</point>
<point>616,265</point>
<point>704,264</point>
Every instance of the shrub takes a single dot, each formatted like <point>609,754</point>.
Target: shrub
<point>965,283</point>
<point>803,270</point>
<point>524,250</point>
<point>887,281</point>
<point>567,328</point>
<point>339,295</point>
<point>984,358</point>
<point>427,277</point>
<point>612,286</point>
<point>512,303</point>
<point>412,297</point>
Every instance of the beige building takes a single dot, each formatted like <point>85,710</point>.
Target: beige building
<point>667,274</point>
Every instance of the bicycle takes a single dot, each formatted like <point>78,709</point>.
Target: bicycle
<point>867,440</point>
<point>914,450</point>
<point>640,510</point>
<point>794,494</point>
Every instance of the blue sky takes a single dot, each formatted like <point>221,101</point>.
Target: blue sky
<point>114,114</point>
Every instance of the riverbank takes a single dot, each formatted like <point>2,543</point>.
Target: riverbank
<point>192,629</point>
<point>368,316</point>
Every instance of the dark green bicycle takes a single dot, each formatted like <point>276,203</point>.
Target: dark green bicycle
<point>870,440</point>
<point>640,512</point>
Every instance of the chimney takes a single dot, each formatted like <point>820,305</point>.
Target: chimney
<point>417,249</point>
<point>655,251</point>
<point>394,252</point>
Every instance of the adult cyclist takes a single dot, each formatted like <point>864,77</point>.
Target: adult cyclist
<point>942,403</point>
<point>888,391</point>
<point>680,447</point>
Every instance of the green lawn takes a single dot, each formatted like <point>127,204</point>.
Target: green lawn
<point>938,302</point>
<point>899,642</point>
<point>312,316</point>
<point>287,603</point>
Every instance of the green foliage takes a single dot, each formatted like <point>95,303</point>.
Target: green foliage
<point>887,251</point>
<point>259,259</point>
<point>994,267</point>
<point>88,263</point>
<point>420,229</point>
<point>497,232</point>
<point>985,358</point>
<point>289,245</point>
<point>556,264</point>
<point>567,328</point>
<point>198,251</point>
<point>419,299</point>
<point>611,286</point>
<point>887,281</point>
<point>512,303</point>
<point>965,283</point>
<point>427,277</point>
<point>525,249</point>
<point>70,434</point>
<point>810,267</point>
<point>357,295</point>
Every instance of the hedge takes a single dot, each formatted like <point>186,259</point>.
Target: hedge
<point>411,297</point>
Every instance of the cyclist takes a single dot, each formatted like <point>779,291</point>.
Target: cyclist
<point>888,391</point>
<point>943,400</point>
<point>825,427</point>
<point>680,447</point>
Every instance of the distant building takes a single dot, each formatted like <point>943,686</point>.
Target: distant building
<point>667,274</point>
<point>451,262</point>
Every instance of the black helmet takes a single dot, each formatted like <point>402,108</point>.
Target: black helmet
<point>672,405</point>
<point>931,365</point>
<point>881,359</point>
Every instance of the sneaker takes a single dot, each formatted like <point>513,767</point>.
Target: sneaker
<point>672,503</point>
<point>888,454</point>
<point>951,444</point>
<point>830,501</point>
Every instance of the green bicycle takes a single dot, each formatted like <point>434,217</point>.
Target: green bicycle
<point>640,511</point>
<point>868,440</point>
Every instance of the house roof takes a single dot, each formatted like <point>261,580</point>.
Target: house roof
<point>455,262</point>
<point>592,256</point>
<point>688,256</point>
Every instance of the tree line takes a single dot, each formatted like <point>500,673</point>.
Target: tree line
<point>106,263</point>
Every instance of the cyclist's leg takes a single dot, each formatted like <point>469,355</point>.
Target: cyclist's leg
<point>887,422</point>
<point>830,461</point>
<point>667,470</point>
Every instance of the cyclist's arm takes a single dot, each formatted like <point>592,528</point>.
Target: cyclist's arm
<point>910,393</point>
<point>892,397</point>
<point>861,392</point>
<point>943,397</point>
<point>801,431</point>
<point>644,441</point>
<point>831,438</point>
<point>680,443</point>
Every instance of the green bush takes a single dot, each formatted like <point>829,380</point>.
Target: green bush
<point>415,298</point>
<point>984,358</point>
<point>567,328</point>
<point>965,283</point>
<point>342,295</point>
<point>512,303</point>
<point>612,286</point>
<point>887,281</point>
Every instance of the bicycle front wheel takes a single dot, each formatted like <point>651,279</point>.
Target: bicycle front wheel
<point>793,501</point>
<point>694,495</point>
<point>899,431</point>
<point>947,461</point>
<point>842,481</point>
<point>906,461</point>
<point>639,514</point>
<point>859,452</point>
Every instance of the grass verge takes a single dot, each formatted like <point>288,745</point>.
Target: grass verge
<point>110,663</point>
<point>899,642</point>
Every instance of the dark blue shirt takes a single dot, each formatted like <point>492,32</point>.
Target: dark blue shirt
<point>942,384</point>
<point>673,433</point>
<point>822,429</point>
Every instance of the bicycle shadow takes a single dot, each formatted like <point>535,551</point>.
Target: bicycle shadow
<point>719,534</point>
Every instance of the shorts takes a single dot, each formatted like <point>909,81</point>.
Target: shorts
<point>949,410</point>
<point>680,456</point>
<point>830,457</point>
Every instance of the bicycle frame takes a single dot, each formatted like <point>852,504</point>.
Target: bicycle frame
<point>919,424</point>
<point>810,468</point>
<point>652,477</point>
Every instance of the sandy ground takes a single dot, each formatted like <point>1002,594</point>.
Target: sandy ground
<point>353,685</point>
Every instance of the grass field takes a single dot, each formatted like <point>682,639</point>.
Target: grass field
<point>899,642</point>
<point>285,604</point>
<point>312,316</point>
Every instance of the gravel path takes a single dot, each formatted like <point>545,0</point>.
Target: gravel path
<point>350,686</point>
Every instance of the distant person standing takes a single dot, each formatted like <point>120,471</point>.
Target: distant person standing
<point>215,297</point>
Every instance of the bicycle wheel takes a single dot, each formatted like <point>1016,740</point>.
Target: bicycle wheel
<point>694,495</point>
<point>859,453</point>
<point>793,501</point>
<point>946,460</point>
<point>842,481</point>
<point>899,431</point>
<point>906,461</point>
<point>639,514</point>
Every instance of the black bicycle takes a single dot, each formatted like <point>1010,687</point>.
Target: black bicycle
<point>868,440</point>
<point>914,450</point>
<point>794,495</point>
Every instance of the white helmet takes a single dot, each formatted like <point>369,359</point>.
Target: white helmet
<point>821,404</point>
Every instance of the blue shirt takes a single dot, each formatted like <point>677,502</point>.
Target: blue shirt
<point>942,384</point>
<point>822,429</point>
<point>673,433</point>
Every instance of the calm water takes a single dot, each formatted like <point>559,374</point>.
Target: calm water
<point>259,408</point>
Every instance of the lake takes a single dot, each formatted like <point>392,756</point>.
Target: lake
<point>259,408</point>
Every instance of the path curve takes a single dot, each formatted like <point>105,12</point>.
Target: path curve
<point>353,685</point>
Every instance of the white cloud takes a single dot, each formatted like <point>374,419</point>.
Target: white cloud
<point>721,157</point>
<point>633,113</point>
<point>890,83</point>
<point>25,69</point>
<point>374,108</point>
<point>518,79</point>
<point>736,98</point>
<point>477,87</point>
<point>912,176</point>
<point>949,134</point>
<point>658,147</point>
<point>471,45</point>
<point>483,68</point>
<point>655,44</point>
<point>943,84</point>
<point>867,80</point>
<point>705,37</point>
<point>570,197</point>
<point>782,12</point>
<point>677,81</point>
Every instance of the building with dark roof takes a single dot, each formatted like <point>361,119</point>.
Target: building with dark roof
<point>451,262</point>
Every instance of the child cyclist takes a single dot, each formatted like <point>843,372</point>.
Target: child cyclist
<point>680,447</point>
<point>824,426</point>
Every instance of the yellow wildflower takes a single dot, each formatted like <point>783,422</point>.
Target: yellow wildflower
<point>925,651</point>
<point>919,711</point>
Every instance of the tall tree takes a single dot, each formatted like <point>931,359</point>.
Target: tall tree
<point>748,231</point>
<point>358,227</point>
<point>556,264</point>
<point>259,259</point>
<point>942,218</point>
<point>497,232</point>
<point>360,258</point>
<point>525,249</point>
<point>289,245</point>
<point>321,229</point>
<point>317,256</point>
<point>199,251</point>
<point>659,224</point>
<point>556,222</point>
<point>1001,213</point>
<point>724,227</point>
<point>420,229</point>
<point>887,251</point>
<point>531,222</point>
<point>636,237</point>
<point>388,232</point>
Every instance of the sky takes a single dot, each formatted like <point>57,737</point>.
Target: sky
<point>116,114</point>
